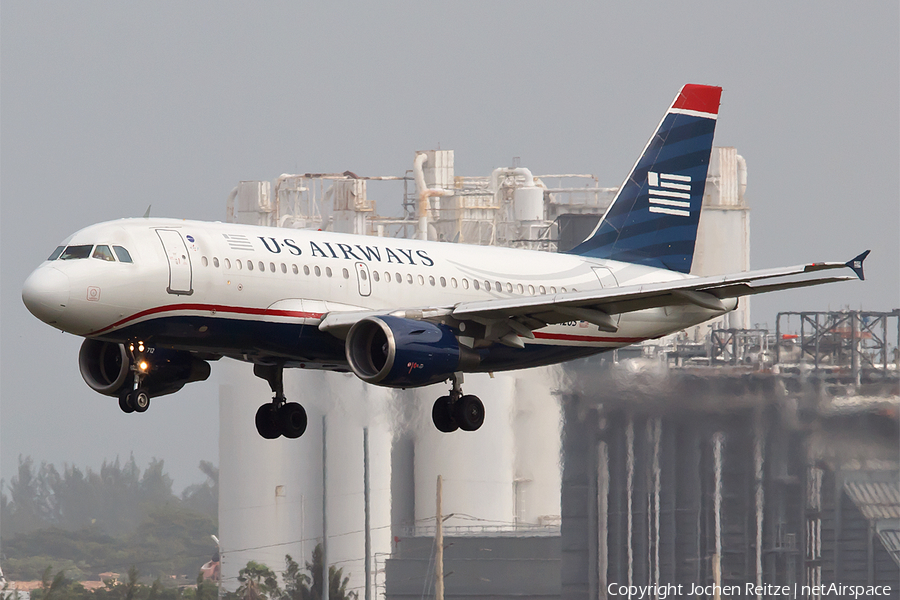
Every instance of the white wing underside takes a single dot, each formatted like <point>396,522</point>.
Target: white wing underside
<point>519,316</point>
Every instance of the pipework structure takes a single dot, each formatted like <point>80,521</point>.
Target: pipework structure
<point>272,492</point>
<point>723,477</point>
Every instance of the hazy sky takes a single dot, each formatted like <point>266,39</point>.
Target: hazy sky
<point>108,107</point>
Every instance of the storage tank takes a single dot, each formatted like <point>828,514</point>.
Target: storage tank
<point>271,491</point>
<point>477,466</point>
<point>528,203</point>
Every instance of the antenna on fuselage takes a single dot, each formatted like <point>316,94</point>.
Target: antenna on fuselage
<point>147,214</point>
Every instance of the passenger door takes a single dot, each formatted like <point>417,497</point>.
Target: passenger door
<point>180,274</point>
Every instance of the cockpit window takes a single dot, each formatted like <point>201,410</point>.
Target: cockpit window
<point>104,253</point>
<point>123,255</point>
<point>73,252</point>
<point>57,252</point>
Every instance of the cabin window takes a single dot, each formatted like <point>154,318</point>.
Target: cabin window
<point>239,265</point>
<point>443,282</point>
<point>531,290</point>
<point>104,253</point>
<point>509,287</point>
<point>563,290</point>
<point>465,283</point>
<point>499,285</point>
<point>475,284</point>
<point>318,272</point>
<point>306,269</point>
<point>215,262</point>
<point>57,252</point>
<point>362,275</point>
<point>399,277</point>
<point>421,280</point>
<point>543,290</point>
<point>431,279</point>
<point>328,271</point>
<point>76,252</point>
<point>409,278</point>
<point>203,260</point>
<point>552,289</point>
<point>375,276</point>
<point>387,276</point>
<point>122,254</point>
<point>453,282</point>
<point>346,274</point>
<point>283,268</point>
<point>520,288</point>
<point>249,265</point>
<point>271,267</point>
<point>487,286</point>
<point>295,270</point>
<point>227,263</point>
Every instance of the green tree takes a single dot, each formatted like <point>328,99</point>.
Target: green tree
<point>296,583</point>
<point>258,582</point>
<point>337,583</point>
<point>204,497</point>
<point>52,588</point>
<point>133,583</point>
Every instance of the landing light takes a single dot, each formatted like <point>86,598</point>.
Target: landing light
<point>144,365</point>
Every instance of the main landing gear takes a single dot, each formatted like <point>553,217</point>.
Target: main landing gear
<point>457,411</point>
<point>278,417</point>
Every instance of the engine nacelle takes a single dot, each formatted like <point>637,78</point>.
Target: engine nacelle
<point>396,352</point>
<point>107,368</point>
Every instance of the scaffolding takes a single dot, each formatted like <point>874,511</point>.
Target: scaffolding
<point>842,342</point>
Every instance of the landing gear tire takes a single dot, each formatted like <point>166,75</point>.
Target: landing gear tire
<point>125,403</point>
<point>468,412</point>
<point>442,415</point>
<point>139,399</point>
<point>292,418</point>
<point>267,423</point>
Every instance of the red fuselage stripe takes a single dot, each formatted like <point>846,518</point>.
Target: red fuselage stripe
<point>567,337</point>
<point>241,310</point>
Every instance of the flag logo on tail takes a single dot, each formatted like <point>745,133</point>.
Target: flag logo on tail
<point>670,194</point>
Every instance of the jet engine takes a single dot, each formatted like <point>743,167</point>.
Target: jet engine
<point>108,368</point>
<point>398,352</point>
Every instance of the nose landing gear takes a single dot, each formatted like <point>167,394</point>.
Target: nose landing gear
<point>137,399</point>
<point>278,417</point>
<point>457,410</point>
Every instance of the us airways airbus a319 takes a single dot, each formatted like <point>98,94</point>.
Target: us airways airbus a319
<point>157,299</point>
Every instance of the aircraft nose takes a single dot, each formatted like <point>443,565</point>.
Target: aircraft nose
<point>46,293</point>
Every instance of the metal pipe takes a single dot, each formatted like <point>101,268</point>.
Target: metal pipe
<point>439,545</point>
<point>368,522</point>
<point>324,510</point>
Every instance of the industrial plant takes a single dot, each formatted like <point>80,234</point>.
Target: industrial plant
<point>726,457</point>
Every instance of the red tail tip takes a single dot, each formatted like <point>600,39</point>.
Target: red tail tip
<point>701,98</point>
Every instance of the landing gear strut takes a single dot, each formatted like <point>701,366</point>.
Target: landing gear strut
<point>137,399</point>
<point>457,410</point>
<point>278,417</point>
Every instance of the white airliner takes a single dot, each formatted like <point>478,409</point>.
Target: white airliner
<point>158,298</point>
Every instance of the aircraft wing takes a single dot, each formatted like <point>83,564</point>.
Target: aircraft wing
<point>524,314</point>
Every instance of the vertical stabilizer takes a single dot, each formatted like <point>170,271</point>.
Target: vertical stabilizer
<point>653,219</point>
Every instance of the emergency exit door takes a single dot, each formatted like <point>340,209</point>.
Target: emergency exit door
<point>364,278</point>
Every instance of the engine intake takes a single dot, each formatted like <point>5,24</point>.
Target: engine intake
<point>397,352</point>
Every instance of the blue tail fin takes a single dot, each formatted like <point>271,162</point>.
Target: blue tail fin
<point>653,219</point>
